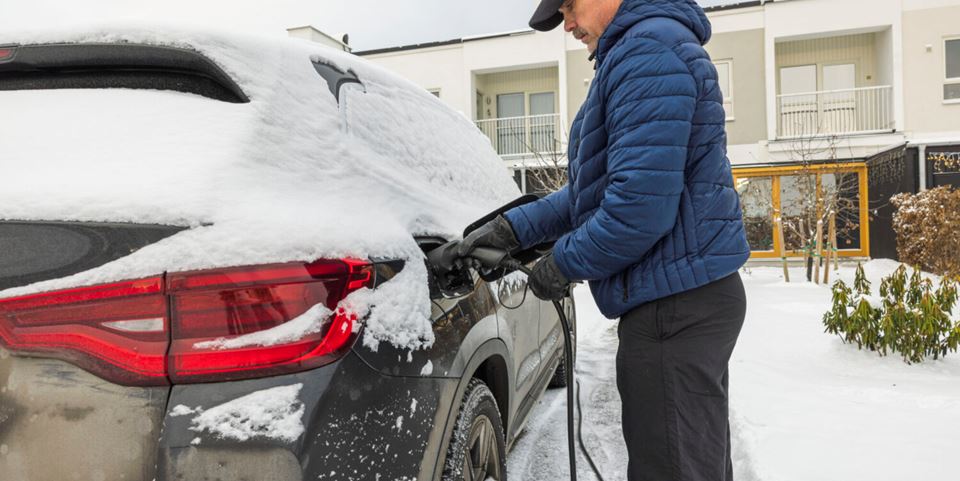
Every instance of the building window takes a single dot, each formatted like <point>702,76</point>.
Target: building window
<point>800,196</point>
<point>756,200</point>
<point>541,180</point>
<point>725,79</point>
<point>951,86</point>
<point>543,124</point>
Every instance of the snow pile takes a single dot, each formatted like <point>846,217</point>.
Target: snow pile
<point>293,175</point>
<point>859,417</point>
<point>390,314</point>
<point>274,413</point>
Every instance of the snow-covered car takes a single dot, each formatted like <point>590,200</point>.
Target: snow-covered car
<point>212,267</point>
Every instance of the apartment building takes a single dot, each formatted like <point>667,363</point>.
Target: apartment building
<point>846,100</point>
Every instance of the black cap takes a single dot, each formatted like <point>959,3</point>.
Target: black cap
<point>547,16</point>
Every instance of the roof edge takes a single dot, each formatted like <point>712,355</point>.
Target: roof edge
<point>443,43</point>
<point>735,6</point>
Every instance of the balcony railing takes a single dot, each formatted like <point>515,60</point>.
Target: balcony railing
<point>515,137</point>
<point>836,112</point>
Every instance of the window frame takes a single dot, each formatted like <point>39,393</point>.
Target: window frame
<point>727,96</point>
<point>948,80</point>
<point>776,172</point>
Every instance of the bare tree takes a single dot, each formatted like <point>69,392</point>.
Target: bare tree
<point>551,171</point>
<point>810,195</point>
<point>549,152</point>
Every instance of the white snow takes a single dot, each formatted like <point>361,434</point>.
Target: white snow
<point>393,312</point>
<point>310,322</point>
<point>274,413</point>
<point>290,176</point>
<point>182,410</point>
<point>427,369</point>
<point>804,406</point>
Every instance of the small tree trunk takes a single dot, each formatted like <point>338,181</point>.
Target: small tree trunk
<point>817,255</point>
<point>833,241</point>
<point>778,223</point>
<point>831,246</point>
<point>806,248</point>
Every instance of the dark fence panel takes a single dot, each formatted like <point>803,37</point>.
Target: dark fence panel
<point>891,172</point>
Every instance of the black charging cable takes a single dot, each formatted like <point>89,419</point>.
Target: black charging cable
<point>512,264</point>
<point>446,258</point>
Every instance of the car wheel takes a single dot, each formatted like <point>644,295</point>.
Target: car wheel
<point>559,378</point>
<point>477,448</point>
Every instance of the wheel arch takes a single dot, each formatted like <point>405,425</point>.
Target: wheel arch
<point>488,363</point>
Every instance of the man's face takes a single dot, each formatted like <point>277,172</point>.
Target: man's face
<point>587,19</point>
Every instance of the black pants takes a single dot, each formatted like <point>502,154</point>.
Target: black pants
<point>672,377</point>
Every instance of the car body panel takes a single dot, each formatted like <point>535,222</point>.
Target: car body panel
<point>58,422</point>
<point>358,424</point>
<point>464,321</point>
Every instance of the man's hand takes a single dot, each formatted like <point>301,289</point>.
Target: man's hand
<point>547,282</point>
<point>498,234</point>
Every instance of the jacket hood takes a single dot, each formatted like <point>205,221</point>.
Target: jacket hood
<point>631,12</point>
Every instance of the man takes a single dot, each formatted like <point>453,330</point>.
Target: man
<point>651,219</point>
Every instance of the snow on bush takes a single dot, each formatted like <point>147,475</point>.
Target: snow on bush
<point>928,229</point>
<point>910,317</point>
<point>274,413</point>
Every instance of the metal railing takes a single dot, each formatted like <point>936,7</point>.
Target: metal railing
<point>514,137</point>
<point>835,112</point>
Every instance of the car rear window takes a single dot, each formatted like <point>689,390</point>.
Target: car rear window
<point>37,251</point>
<point>115,66</point>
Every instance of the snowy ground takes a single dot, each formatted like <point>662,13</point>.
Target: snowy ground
<point>804,406</point>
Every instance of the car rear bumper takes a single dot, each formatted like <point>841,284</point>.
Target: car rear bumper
<point>359,425</point>
<point>59,422</point>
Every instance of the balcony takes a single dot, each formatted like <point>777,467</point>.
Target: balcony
<point>522,137</point>
<point>854,111</point>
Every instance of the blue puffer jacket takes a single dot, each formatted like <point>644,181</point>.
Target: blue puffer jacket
<point>650,209</point>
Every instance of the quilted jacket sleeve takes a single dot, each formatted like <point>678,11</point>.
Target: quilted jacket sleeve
<point>542,221</point>
<point>650,99</point>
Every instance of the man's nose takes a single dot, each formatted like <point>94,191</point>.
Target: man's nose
<point>568,24</point>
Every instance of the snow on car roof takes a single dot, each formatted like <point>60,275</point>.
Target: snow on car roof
<point>292,175</point>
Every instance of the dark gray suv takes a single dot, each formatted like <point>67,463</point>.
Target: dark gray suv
<point>210,307</point>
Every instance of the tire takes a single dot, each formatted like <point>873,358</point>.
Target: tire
<point>477,449</point>
<point>559,378</point>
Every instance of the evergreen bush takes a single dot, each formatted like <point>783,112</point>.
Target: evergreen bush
<point>910,317</point>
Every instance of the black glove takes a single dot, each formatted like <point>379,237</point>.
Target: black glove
<point>547,282</point>
<point>498,233</point>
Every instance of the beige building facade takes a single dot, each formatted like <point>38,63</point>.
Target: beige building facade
<point>829,83</point>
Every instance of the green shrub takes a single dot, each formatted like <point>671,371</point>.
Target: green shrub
<point>910,317</point>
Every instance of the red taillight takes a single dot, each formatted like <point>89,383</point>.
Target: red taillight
<point>6,53</point>
<point>233,323</point>
<point>218,325</point>
<point>86,326</point>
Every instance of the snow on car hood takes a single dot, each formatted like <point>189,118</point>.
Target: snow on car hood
<point>290,176</point>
